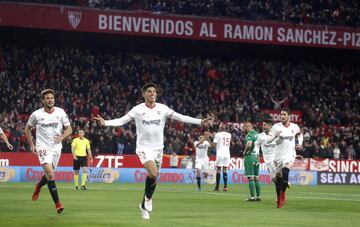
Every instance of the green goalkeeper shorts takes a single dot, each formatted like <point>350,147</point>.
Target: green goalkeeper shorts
<point>252,166</point>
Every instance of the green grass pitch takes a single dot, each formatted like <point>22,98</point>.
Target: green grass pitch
<point>179,205</point>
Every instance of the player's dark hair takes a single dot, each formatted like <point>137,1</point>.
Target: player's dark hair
<point>287,110</point>
<point>267,119</point>
<point>147,85</point>
<point>45,92</point>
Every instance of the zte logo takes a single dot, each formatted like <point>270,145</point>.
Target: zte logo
<point>74,18</point>
<point>112,161</point>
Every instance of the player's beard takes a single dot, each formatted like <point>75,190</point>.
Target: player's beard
<point>49,106</point>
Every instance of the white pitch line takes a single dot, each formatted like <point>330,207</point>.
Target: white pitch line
<point>210,193</point>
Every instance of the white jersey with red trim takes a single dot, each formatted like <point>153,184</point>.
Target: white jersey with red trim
<point>202,150</point>
<point>150,123</point>
<point>48,126</point>
<point>285,144</point>
<point>268,149</point>
<point>222,140</point>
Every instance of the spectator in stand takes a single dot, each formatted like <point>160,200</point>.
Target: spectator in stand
<point>336,152</point>
<point>174,160</point>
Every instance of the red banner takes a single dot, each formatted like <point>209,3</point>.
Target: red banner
<point>69,18</point>
<point>106,160</point>
<point>295,116</point>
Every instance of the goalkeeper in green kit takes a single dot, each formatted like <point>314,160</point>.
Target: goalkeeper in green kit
<point>251,162</point>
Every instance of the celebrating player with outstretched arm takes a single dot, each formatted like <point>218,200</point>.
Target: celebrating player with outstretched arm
<point>49,123</point>
<point>285,151</point>
<point>150,118</point>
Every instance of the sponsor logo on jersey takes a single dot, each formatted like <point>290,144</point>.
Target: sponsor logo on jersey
<point>50,125</point>
<point>290,138</point>
<point>152,122</point>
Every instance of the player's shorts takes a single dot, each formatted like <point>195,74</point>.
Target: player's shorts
<point>222,161</point>
<point>151,155</point>
<point>252,166</point>
<point>48,156</point>
<point>81,161</point>
<point>281,162</point>
<point>271,168</point>
<point>202,164</point>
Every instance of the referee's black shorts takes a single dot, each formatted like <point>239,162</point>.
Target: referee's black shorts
<point>81,161</point>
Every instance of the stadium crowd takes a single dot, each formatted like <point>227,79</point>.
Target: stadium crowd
<point>326,12</point>
<point>87,83</point>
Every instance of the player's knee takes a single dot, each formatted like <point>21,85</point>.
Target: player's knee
<point>152,174</point>
<point>50,176</point>
<point>251,178</point>
<point>85,170</point>
<point>76,172</point>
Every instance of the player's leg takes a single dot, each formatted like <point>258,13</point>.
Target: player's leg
<point>83,164</point>
<point>249,173</point>
<point>83,178</point>
<point>198,179</point>
<point>285,180</point>
<point>150,183</point>
<point>278,183</point>
<point>205,169</point>
<point>49,172</point>
<point>256,179</point>
<point>147,158</point>
<point>51,183</point>
<point>218,172</point>
<point>76,168</point>
<point>42,156</point>
<point>38,186</point>
<point>285,175</point>
<point>225,177</point>
<point>198,167</point>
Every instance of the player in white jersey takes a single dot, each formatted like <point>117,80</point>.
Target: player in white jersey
<point>268,149</point>
<point>287,134</point>
<point>5,139</point>
<point>150,118</point>
<point>52,127</point>
<point>221,142</point>
<point>202,158</point>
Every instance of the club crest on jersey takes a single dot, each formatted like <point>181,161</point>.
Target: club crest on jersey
<point>292,131</point>
<point>74,18</point>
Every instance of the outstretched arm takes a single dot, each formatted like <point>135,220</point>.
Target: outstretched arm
<point>190,120</point>
<point>115,122</point>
